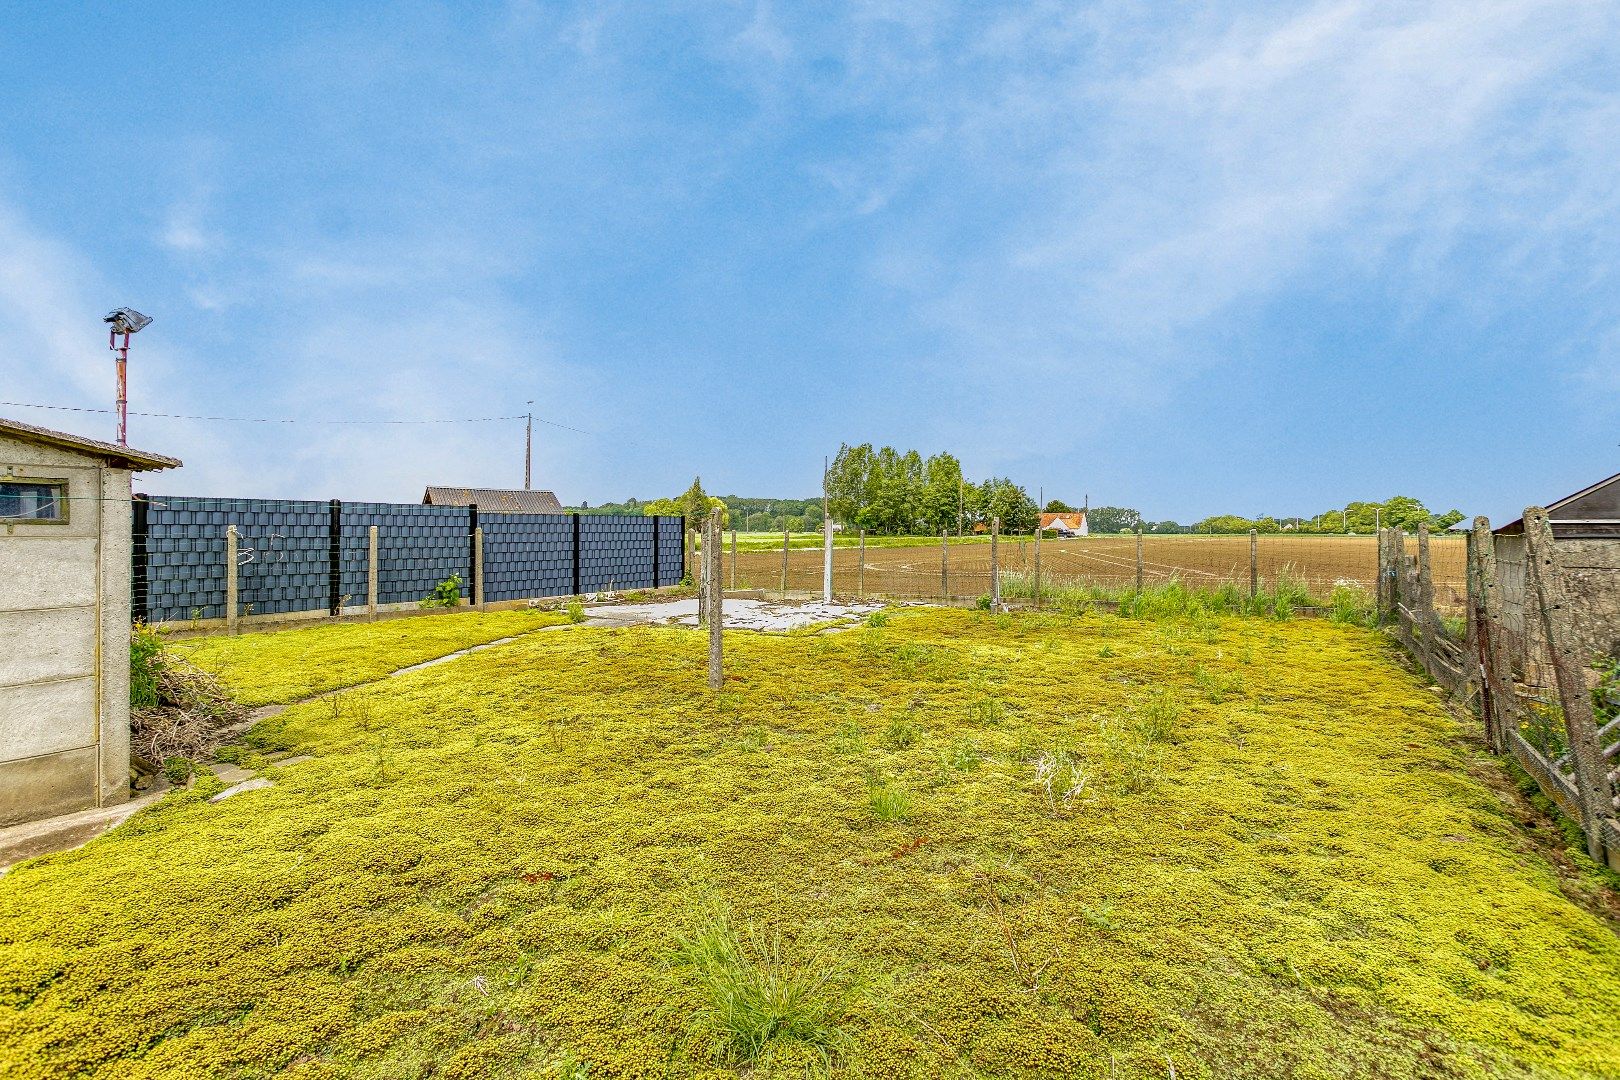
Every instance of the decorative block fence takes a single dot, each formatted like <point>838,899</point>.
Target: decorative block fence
<point>296,556</point>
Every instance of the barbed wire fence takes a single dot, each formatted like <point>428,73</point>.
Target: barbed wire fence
<point>1034,570</point>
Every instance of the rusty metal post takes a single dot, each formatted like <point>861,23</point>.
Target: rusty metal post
<point>1254,563</point>
<point>1140,565</point>
<point>1037,583</point>
<point>1580,725</point>
<point>995,565</point>
<point>860,572</point>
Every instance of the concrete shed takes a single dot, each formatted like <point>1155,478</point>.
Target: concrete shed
<point>64,620</point>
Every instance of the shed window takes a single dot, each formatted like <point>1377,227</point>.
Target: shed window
<point>33,500</point>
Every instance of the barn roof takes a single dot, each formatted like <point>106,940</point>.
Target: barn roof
<point>112,453</point>
<point>495,500</point>
<point>1591,511</point>
<point>1073,520</point>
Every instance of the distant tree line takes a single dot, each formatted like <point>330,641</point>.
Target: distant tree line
<point>883,490</point>
<point>886,491</point>
<point>744,514</point>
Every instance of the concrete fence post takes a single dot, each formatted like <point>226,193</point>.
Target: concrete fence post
<point>786,536</point>
<point>478,563</point>
<point>232,604</point>
<point>1568,663</point>
<point>712,545</point>
<point>945,564</point>
<point>995,564</point>
<point>826,561</point>
<point>733,559</point>
<point>1254,563</point>
<point>371,573</point>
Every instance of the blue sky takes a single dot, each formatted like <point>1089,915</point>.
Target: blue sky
<point>1193,258</point>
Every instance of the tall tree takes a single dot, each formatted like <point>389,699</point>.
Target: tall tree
<point>1112,519</point>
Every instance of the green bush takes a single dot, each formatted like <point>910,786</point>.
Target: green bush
<point>445,594</point>
<point>145,665</point>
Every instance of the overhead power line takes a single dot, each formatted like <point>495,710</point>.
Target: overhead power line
<point>297,420</point>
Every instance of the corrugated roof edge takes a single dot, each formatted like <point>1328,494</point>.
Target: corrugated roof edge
<point>137,460</point>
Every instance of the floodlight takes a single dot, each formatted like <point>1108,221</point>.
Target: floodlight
<point>126,320</point>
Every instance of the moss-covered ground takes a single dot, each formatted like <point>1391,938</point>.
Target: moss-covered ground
<point>277,666</point>
<point>955,844</point>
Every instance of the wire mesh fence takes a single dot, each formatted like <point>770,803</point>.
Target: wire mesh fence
<point>936,568</point>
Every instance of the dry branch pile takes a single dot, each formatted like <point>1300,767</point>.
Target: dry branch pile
<point>191,715</point>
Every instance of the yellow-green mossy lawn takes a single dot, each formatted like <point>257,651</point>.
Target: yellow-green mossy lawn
<point>959,844</point>
<point>286,665</point>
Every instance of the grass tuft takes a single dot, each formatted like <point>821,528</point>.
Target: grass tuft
<point>756,996</point>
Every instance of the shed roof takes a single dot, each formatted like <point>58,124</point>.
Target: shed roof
<point>1593,510</point>
<point>495,500</point>
<point>112,453</point>
<point>1072,520</point>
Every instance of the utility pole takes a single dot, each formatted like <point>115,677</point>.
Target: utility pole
<point>528,448</point>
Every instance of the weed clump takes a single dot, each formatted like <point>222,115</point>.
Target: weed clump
<point>756,996</point>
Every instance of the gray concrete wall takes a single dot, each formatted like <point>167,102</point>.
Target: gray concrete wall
<point>1591,573</point>
<point>64,644</point>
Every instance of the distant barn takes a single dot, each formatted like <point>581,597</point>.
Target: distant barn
<point>494,500</point>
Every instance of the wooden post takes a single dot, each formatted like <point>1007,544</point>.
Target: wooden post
<point>1425,581</point>
<point>1491,644</point>
<point>1254,563</point>
<point>995,562</point>
<point>945,564</point>
<point>231,601</point>
<point>784,563</point>
<point>712,545</point>
<point>478,563</point>
<point>734,559</point>
<point>1140,566</point>
<point>703,551</point>
<point>860,571</point>
<point>371,573</point>
<point>1037,582</point>
<point>1397,570</point>
<point>1385,565</point>
<point>1552,613</point>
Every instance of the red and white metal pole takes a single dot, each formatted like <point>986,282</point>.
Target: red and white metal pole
<point>121,353</point>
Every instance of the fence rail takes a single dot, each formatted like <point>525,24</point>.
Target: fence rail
<point>1522,662</point>
<point>222,559</point>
